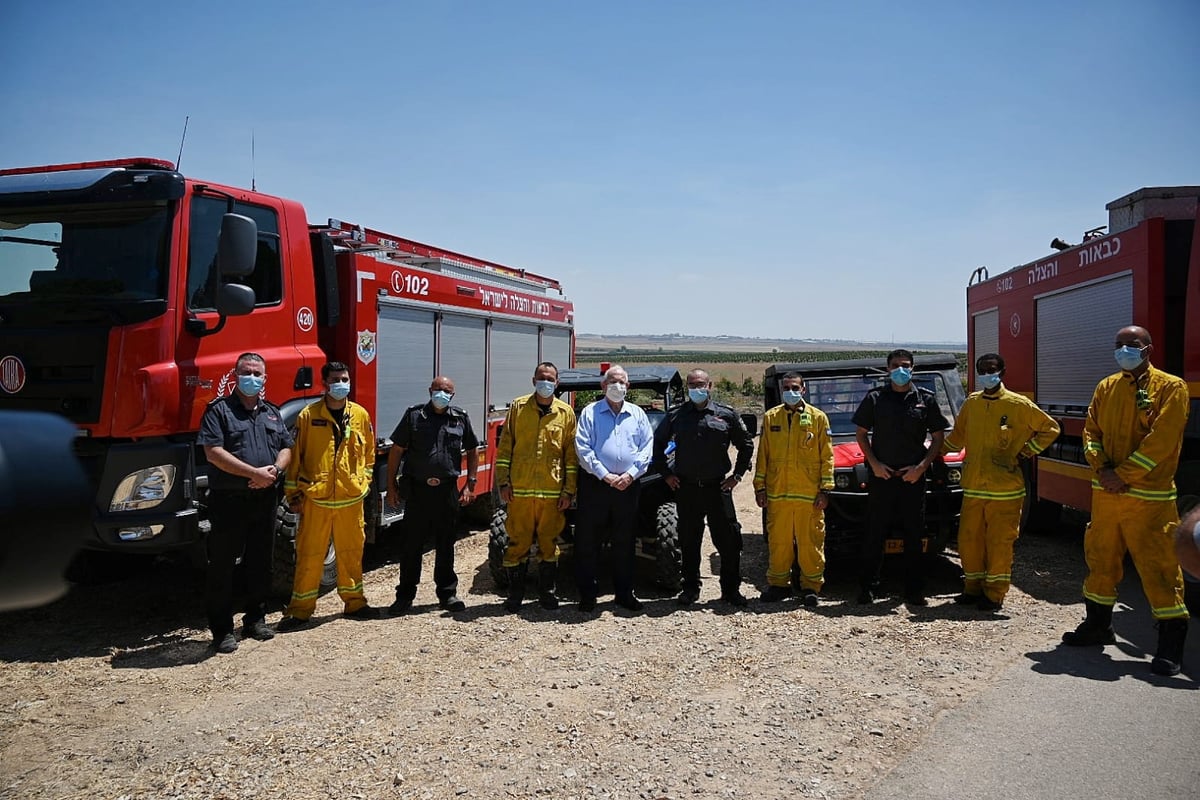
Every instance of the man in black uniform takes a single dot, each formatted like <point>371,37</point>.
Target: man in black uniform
<point>248,447</point>
<point>703,430</point>
<point>897,417</point>
<point>434,436</point>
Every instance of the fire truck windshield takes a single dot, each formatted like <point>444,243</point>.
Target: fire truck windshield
<point>81,254</point>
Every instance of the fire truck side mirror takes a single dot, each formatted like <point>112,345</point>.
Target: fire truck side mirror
<point>235,300</point>
<point>237,248</point>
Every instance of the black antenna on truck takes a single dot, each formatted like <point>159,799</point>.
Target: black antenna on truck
<point>253,182</point>
<point>182,139</point>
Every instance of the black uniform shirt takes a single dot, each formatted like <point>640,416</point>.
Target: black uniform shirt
<point>702,438</point>
<point>253,435</point>
<point>898,422</point>
<point>434,443</point>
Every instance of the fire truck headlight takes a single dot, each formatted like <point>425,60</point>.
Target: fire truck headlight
<point>953,475</point>
<point>143,489</point>
<point>842,480</point>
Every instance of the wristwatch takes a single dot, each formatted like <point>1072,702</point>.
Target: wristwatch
<point>471,481</point>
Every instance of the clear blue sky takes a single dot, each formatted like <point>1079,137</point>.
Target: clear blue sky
<point>785,169</point>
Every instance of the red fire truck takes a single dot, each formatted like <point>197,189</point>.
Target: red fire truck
<point>1054,321</point>
<point>127,290</point>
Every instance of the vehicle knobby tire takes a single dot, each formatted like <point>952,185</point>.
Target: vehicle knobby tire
<point>497,544</point>
<point>669,555</point>
<point>283,558</point>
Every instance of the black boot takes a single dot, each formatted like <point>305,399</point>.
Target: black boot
<point>547,581</point>
<point>1095,629</point>
<point>516,586</point>
<point>1169,658</point>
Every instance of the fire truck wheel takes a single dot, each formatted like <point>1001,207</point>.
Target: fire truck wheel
<point>669,560</point>
<point>283,566</point>
<point>497,544</point>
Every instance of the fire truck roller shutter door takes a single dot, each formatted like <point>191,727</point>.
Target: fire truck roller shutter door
<point>1074,339</point>
<point>987,335</point>
<point>556,346</point>
<point>463,355</point>
<point>514,356</point>
<point>404,361</point>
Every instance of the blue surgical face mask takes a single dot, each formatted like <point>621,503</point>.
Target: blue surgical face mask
<point>340,390</point>
<point>792,396</point>
<point>440,399</point>
<point>544,389</point>
<point>901,376</point>
<point>251,385</point>
<point>698,396</point>
<point>988,380</point>
<point>1128,358</point>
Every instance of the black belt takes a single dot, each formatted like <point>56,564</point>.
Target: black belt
<point>704,484</point>
<point>437,480</point>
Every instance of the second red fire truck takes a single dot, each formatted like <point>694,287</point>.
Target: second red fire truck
<point>1054,321</point>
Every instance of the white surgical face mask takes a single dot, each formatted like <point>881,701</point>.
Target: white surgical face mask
<point>544,388</point>
<point>987,380</point>
<point>616,392</point>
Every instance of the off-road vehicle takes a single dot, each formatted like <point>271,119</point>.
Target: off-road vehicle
<point>657,390</point>
<point>837,387</point>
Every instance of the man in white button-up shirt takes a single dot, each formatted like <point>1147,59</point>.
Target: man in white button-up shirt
<point>615,442</point>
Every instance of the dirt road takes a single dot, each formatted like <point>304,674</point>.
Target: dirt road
<point>113,691</point>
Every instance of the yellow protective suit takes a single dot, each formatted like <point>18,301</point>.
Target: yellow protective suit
<point>536,456</point>
<point>996,430</point>
<point>1136,428</point>
<point>795,462</point>
<point>333,478</point>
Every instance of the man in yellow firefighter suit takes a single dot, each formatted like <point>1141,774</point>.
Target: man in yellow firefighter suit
<point>327,480</point>
<point>998,428</point>
<point>1131,439</point>
<point>792,475</point>
<point>536,471</point>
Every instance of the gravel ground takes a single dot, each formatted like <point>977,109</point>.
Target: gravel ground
<point>113,692</point>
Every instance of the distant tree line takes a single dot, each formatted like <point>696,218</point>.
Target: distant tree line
<point>685,357</point>
<point>749,389</point>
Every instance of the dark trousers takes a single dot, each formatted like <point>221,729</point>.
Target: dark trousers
<point>243,525</point>
<point>895,502</point>
<point>695,502</point>
<point>601,508</point>
<point>431,509</point>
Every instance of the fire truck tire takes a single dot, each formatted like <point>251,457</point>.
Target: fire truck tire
<point>283,563</point>
<point>1041,517</point>
<point>669,556</point>
<point>497,544</point>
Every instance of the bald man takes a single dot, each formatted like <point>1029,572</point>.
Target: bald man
<point>1132,438</point>
<point>431,439</point>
